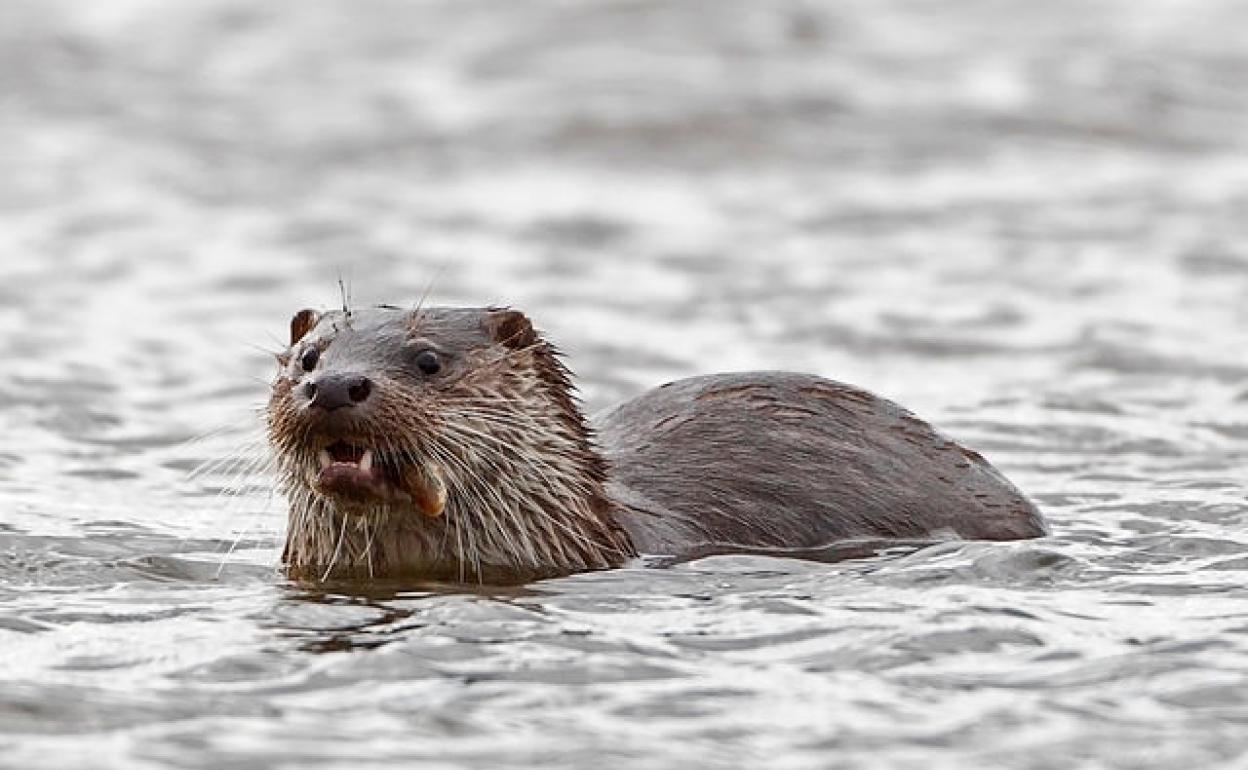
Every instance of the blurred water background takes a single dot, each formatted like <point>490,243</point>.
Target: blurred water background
<point>1026,221</point>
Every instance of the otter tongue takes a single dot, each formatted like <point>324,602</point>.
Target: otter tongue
<point>348,472</point>
<point>351,472</point>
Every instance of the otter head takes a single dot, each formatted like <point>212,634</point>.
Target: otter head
<point>440,442</point>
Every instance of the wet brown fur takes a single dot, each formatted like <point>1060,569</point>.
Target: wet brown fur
<point>526,487</point>
<point>754,460</point>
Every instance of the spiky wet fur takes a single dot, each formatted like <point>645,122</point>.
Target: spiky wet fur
<point>525,484</point>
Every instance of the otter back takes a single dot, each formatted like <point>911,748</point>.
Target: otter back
<point>793,461</point>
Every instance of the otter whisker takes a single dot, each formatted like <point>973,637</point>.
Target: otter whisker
<point>545,518</point>
<point>337,549</point>
<point>474,493</point>
<point>540,465</point>
<point>368,547</point>
<point>479,487</point>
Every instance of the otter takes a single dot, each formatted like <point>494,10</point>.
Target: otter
<point>450,444</point>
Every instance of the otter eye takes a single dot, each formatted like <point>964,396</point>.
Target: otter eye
<point>428,362</point>
<point>309,358</point>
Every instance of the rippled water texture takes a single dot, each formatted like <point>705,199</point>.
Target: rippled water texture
<point>1026,221</point>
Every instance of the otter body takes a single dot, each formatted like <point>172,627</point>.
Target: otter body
<point>783,460</point>
<point>448,444</point>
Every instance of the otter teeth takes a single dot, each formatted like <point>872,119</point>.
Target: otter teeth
<point>365,463</point>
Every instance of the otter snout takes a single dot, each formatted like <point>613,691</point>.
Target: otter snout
<point>335,391</point>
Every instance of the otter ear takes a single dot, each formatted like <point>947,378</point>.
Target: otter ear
<point>302,323</point>
<point>510,328</point>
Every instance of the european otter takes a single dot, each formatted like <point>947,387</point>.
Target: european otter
<point>448,443</point>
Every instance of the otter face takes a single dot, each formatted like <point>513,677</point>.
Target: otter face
<point>438,442</point>
<point>355,410</point>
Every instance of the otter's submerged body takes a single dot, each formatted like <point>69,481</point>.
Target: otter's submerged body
<point>448,444</point>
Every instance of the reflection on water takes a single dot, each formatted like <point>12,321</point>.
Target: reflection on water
<point>1025,221</point>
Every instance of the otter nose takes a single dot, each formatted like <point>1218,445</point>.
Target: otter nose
<point>334,391</point>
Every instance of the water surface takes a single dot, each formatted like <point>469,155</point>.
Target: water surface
<point>1025,221</point>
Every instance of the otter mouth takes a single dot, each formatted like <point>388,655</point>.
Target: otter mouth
<point>355,473</point>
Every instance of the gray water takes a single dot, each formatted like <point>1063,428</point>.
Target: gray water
<point>1026,221</point>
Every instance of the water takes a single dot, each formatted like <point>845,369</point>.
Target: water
<point>1028,222</point>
